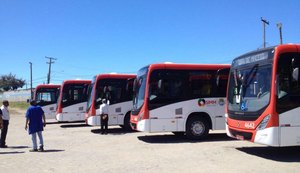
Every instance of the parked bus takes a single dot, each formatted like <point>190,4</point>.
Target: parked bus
<point>118,90</point>
<point>72,100</point>
<point>46,96</point>
<point>263,102</point>
<point>180,98</point>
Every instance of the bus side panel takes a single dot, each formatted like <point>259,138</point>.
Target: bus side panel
<point>50,111</point>
<point>214,107</point>
<point>290,136</point>
<point>163,119</point>
<point>74,112</point>
<point>219,123</point>
<point>163,125</point>
<point>120,109</point>
<point>173,117</point>
<point>289,123</point>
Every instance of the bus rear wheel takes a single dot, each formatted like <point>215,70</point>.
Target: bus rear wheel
<point>197,128</point>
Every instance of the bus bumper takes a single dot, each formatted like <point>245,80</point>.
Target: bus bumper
<point>143,126</point>
<point>93,120</point>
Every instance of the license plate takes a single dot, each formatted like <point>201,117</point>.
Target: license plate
<point>240,137</point>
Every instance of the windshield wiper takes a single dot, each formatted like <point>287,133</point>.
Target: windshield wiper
<point>245,82</point>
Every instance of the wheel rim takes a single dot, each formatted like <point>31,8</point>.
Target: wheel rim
<point>197,128</point>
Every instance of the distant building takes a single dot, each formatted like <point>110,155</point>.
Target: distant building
<point>16,95</point>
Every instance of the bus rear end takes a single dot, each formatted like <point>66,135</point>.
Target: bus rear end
<point>72,100</point>
<point>46,96</point>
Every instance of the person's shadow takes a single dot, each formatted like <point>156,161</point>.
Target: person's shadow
<point>51,151</point>
<point>113,131</point>
<point>12,152</point>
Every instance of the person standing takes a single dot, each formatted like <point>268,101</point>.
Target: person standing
<point>104,116</point>
<point>35,119</point>
<point>1,121</point>
<point>5,119</point>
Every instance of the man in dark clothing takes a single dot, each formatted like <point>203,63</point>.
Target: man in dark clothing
<point>1,121</point>
<point>36,120</point>
<point>5,119</point>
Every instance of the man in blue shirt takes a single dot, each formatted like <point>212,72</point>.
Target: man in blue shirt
<point>35,119</point>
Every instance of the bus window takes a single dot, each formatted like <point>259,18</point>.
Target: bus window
<point>200,83</point>
<point>166,87</point>
<point>288,88</point>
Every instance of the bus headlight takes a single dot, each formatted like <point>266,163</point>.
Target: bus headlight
<point>263,123</point>
<point>141,116</point>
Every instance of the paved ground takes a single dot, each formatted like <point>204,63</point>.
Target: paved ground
<point>74,147</point>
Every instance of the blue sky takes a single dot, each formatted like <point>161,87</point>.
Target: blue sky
<point>89,37</point>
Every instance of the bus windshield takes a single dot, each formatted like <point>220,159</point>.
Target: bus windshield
<point>250,85</point>
<point>90,94</point>
<point>139,89</point>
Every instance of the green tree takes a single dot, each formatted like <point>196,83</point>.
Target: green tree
<point>11,82</point>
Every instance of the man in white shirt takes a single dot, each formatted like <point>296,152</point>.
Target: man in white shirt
<point>5,119</point>
<point>104,116</point>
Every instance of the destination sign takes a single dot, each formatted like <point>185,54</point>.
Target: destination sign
<point>252,58</point>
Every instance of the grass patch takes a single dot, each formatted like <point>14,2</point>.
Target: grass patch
<point>19,105</point>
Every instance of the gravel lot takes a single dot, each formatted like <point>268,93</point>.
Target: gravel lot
<point>75,147</point>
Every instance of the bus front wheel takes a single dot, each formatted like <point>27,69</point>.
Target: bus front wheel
<point>126,125</point>
<point>197,128</point>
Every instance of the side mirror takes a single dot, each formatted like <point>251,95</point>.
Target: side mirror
<point>222,74</point>
<point>160,84</point>
<point>134,85</point>
<point>296,74</point>
<point>99,101</point>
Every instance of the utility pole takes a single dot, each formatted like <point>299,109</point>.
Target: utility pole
<point>31,93</point>
<point>49,72</point>
<point>279,26</point>
<point>264,21</point>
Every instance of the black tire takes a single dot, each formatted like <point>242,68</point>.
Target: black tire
<point>197,128</point>
<point>126,125</point>
<point>178,133</point>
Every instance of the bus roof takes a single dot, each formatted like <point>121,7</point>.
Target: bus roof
<point>115,76</point>
<point>47,86</point>
<point>76,82</point>
<point>280,48</point>
<point>188,66</point>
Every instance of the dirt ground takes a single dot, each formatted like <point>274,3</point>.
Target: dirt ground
<point>75,147</point>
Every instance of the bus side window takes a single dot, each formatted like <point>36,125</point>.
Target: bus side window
<point>288,88</point>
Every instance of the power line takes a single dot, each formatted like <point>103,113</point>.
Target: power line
<point>264,21</point>
<point>50,62</point>
<point>31,92</point>
<point>279,26</point>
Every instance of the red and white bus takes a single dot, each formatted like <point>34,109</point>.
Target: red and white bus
<point>46,96</point>
<point>180,98</point>
<point>72,100</point>
<point>263,98</point>
<point>118,90</point>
